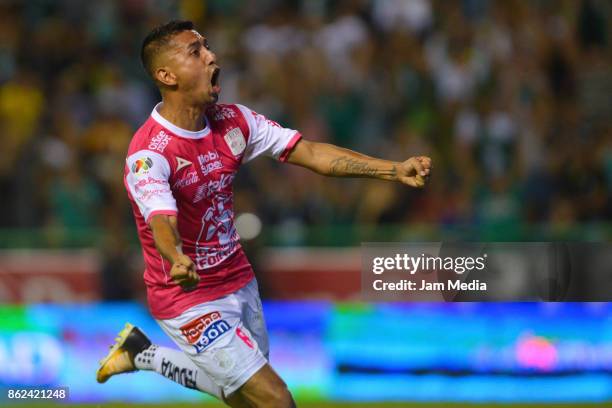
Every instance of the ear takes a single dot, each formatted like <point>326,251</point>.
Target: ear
<point>165,76</point>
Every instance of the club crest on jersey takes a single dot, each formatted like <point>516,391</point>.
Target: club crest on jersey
<point>235,141</point>
<point>142,166</point>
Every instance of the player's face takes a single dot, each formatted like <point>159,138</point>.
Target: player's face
<point>195,67</point>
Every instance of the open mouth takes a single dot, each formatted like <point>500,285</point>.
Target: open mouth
<point>214,80</point>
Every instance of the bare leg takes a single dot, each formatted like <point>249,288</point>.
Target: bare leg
<point>265,389</point>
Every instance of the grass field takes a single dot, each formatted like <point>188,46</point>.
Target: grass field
<point>323,405</point>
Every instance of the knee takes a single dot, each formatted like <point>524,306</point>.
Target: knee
<point>277,395</point>
<point>266,390</point>
<point>280,397</point>
<point>270,396</point>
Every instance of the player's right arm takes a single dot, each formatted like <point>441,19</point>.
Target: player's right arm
<point>147,178</point>
<point>168,243</point>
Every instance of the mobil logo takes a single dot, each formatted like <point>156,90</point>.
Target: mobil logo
<point>194,329</point>
<point>209,162</point>
<point>208,157</point>
<point>212,333</point>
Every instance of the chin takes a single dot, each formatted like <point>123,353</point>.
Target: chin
<point>210,99</point>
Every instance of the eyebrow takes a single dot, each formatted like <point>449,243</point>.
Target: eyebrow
<point>195,44</point>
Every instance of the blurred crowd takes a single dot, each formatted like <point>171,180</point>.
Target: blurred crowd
<point>512,100</point>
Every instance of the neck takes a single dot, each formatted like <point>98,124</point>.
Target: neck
<point>188,116</point>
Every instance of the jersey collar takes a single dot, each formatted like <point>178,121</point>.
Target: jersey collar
<point>177,130</point>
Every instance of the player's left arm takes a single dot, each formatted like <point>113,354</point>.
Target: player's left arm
<point>335,161</point>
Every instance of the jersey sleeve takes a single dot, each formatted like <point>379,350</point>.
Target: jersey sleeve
<point>267,137</point>
<point>147,178</point>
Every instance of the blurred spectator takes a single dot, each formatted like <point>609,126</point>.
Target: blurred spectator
<point>511,98</point>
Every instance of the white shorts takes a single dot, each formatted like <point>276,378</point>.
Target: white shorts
<point>226,338</point>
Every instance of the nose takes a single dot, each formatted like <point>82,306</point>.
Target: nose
<point>212,58</point>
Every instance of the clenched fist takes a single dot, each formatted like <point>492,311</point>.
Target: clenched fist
<point>183,272</point>
<point>414,171</point>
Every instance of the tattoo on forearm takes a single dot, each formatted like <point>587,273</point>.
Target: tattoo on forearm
<point>347,166</point>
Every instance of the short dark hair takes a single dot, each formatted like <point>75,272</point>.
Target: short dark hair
<point>158,38</point>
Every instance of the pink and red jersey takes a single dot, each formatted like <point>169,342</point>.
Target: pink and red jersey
<point>174,171</point>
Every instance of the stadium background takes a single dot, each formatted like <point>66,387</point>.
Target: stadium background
<point>512,99</point>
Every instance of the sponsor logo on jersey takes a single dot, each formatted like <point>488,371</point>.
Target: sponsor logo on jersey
<point>211,256</point>
<point>147,182</point>
<point>224,112</point>
<point>235,141</point>
<point>160,141</point>
<point>184,376</point>
<point>189,179</point>
<point>194,329</point>
<point>206,190</point>
<point>142,166</point>
<point>208,157</point>
<point>182,163</point>
<point>260,118</point>
<point>147,195</point>
<point>212,333</point>
<point>209,162</point>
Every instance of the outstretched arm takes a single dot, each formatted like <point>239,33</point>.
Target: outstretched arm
<point>331,160</point>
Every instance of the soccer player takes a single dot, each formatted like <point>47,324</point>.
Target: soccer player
<point>179,171</point>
